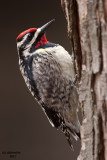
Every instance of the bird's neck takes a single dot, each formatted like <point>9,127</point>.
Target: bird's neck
<point>41,42</point>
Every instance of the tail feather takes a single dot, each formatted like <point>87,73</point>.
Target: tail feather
<point>71,133</point>
<point>69,136</point>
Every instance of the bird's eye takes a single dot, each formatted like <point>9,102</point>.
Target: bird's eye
<point>30,36</point>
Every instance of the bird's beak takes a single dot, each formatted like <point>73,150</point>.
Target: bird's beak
<point>42,29</point>
<point>45,26</point>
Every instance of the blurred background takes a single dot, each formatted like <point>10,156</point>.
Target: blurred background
<point>23,126</point>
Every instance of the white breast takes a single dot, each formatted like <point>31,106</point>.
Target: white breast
<point>63,58</point>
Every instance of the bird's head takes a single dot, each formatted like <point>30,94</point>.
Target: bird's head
<point>33,37</point>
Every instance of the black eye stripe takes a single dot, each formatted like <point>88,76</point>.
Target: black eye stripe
<point>29,37</point>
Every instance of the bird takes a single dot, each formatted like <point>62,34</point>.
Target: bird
<point>48,71</point>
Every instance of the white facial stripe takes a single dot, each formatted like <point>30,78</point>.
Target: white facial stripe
<point>34,38</point>
<point>24,38</point>
<point>37,33</point>
<point>32,41</point>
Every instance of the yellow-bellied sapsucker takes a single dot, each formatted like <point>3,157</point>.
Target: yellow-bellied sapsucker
<point>48,71</point>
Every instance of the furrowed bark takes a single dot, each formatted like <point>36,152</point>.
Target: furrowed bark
<point>87,31</point>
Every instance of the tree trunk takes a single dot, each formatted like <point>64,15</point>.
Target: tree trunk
<point>87,31</point>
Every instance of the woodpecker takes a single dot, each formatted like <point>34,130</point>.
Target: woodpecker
<point>49,74</point>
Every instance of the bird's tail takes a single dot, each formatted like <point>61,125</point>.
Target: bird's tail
<point>72,131</point>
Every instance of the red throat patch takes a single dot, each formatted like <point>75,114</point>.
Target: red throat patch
<point>39,43</point>
<point>42,41</point>
<point>27,31</point>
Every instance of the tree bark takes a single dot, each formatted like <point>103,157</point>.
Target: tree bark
<point>87,31</point>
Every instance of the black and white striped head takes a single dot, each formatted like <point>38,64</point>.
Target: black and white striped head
<point>32,37</point>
